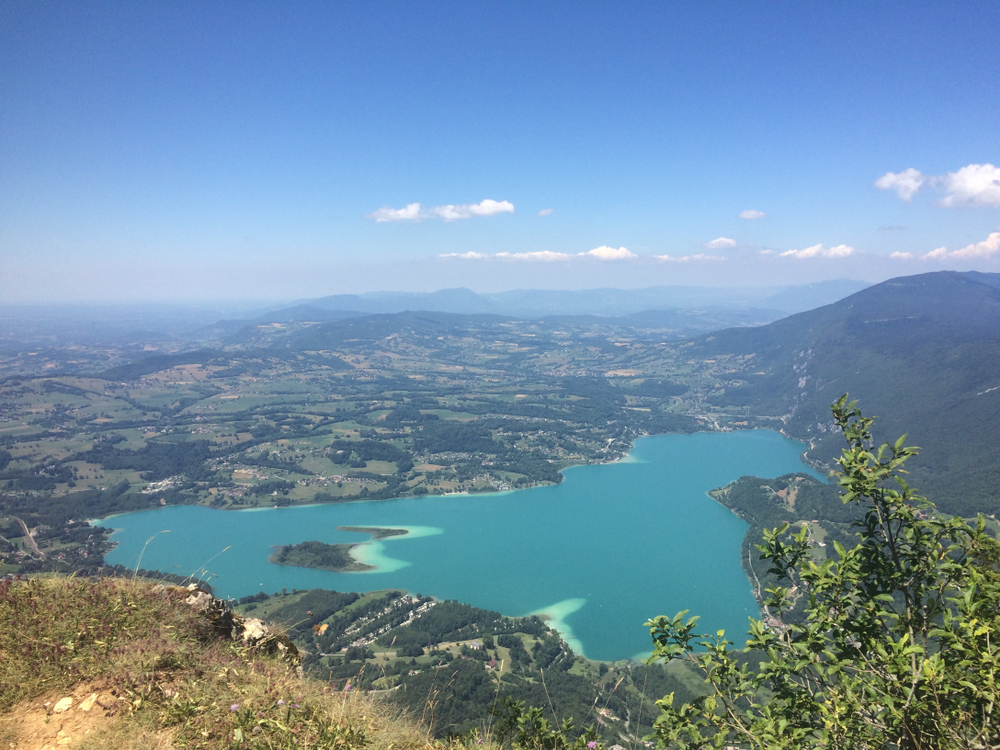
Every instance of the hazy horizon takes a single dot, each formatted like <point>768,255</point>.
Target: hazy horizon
<point>250,302</point>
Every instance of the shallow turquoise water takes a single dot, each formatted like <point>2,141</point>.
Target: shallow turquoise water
<point>611,546</point>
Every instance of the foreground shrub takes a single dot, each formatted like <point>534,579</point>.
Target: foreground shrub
<point>897,647</point>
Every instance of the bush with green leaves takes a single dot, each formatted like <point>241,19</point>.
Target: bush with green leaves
<point>899,643</point>
<point>523,728</point>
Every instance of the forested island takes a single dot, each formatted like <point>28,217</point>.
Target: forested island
<point>336,557</point>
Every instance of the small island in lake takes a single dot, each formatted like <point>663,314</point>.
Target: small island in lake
<point>335,557</point>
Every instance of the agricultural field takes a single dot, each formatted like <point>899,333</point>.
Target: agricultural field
<point>365,408</point>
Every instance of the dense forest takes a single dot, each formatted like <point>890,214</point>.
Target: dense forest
<point>796,499</point>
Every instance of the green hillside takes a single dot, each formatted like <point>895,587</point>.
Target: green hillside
<point>921,352</point>
<point>450,663</point>
<point>135,664</point>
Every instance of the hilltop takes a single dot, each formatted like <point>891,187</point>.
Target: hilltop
<point>921,352</point>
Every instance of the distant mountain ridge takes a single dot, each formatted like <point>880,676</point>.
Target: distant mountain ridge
<point>605,302</point>
<point>921,352</point>
<point>687,311</point>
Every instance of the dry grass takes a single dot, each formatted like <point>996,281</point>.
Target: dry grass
<point>55,632</point>
<point>166,679</point>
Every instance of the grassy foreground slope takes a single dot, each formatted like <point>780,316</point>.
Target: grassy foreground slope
<point>97,663</point>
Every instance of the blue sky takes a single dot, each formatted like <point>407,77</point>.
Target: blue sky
<point>261,150</point>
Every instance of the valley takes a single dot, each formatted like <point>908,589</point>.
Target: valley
<point>388,406</point>
<point>409,405</point>
<point>441,411</point>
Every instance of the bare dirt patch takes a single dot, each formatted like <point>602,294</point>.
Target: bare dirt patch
<point>789,494</point>
<point>52,722</point>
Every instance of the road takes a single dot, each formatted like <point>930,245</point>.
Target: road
<point>30,538</point>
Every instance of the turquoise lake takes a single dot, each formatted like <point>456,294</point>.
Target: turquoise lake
<point>610,547</point>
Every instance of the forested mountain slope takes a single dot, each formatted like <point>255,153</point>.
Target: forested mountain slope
<point>921,352</point>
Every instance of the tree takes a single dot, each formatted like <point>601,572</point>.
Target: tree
<point>898,643</point>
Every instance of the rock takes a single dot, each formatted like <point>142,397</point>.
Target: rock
<point>198,599</point>
<point>258,635</point>
<point>88,703</point>
<point>254,631</point>
<point>215,610</point>
<point>62,705</point>
<point>249,632</point>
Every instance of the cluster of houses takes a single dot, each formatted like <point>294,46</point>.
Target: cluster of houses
<point>369,638</point>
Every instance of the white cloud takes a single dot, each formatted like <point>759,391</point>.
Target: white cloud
<point>719,243</point>
<point>412,212</point>
<point>687,258</point>
<point>546,255</point>
<point>602,253</point>
<point>751,214</point>
<point>818,251</point>
<point>905,183</point>
<point>902,256</point>
<point>974,185</point>
<point>471,255</point>
<point>484,208</point>
<point>839,251</point>
<point>985,249</point>
<point>546,211</point>
<point>599,253</point>
<point>610,253</point>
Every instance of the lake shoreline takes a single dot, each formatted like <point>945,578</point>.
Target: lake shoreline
<point>625,458</point>
<point>516,552</point>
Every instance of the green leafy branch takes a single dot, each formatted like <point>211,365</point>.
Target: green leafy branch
<point>895,646</point>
